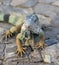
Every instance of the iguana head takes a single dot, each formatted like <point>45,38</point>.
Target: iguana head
<point>31,19</point>
<point>32,23</point>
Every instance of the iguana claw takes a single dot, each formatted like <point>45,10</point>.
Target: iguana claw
<point>10,32</point>
<point>41,44</point>
<point>20,51</point>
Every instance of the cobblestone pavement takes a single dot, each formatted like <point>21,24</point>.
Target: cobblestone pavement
<point>7,50</point>
<point>48,13</point>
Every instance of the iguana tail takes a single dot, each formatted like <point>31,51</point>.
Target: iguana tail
<point>4,17</point>
<point>12,19</point>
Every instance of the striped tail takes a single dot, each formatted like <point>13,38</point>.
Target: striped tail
<point>4,17</point>
<point>12,19</point>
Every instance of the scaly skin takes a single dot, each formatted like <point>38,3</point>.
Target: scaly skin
<point>12,30</point>
<point>41,43</point>
<point>18,23</point>
<point>20,49</point>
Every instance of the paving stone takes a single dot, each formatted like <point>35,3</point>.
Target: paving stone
<point>25,3</point>
<point>31,63</point>
<point>57,50</point>
<point>58,60</point>
<point>55,21</point>
<point>7,9</point>
<point>50,50</point>
<point>38,63</point>
<point>35,56</point>
<point>1,55</point>
<point>52,33</point>
<point>56,10</point>
<point>1,30</point>
<point>56,63</point>
<point>10,56</point>
<point>11,63</point>
<point>20,63</point>
<point>18,10</point>
<point>1,1</point>
<point>49,34</point>
<point>46,1</point>
<point>55,31</point>
<point>2,49</point>
<point>18,2</point>
<point>2,46</point>
<point>44,20</point>
<point>57,36</point>
<point>45,9</point>
<point>56,3</point>
<point>47,27</point>
<point>51,41</point>
<point>1,63</point>
<point>7,2</point>
<point>6,25</point>
<point>11,48</point>
<point>23,11</point>
<point>1,9</point>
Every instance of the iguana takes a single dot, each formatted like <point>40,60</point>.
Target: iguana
<point>26,27</point>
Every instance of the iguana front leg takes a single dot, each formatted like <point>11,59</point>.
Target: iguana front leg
<point>41,43</point>
<point>9,32</point>
<point>20,49</point>
<point>12,30</point>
